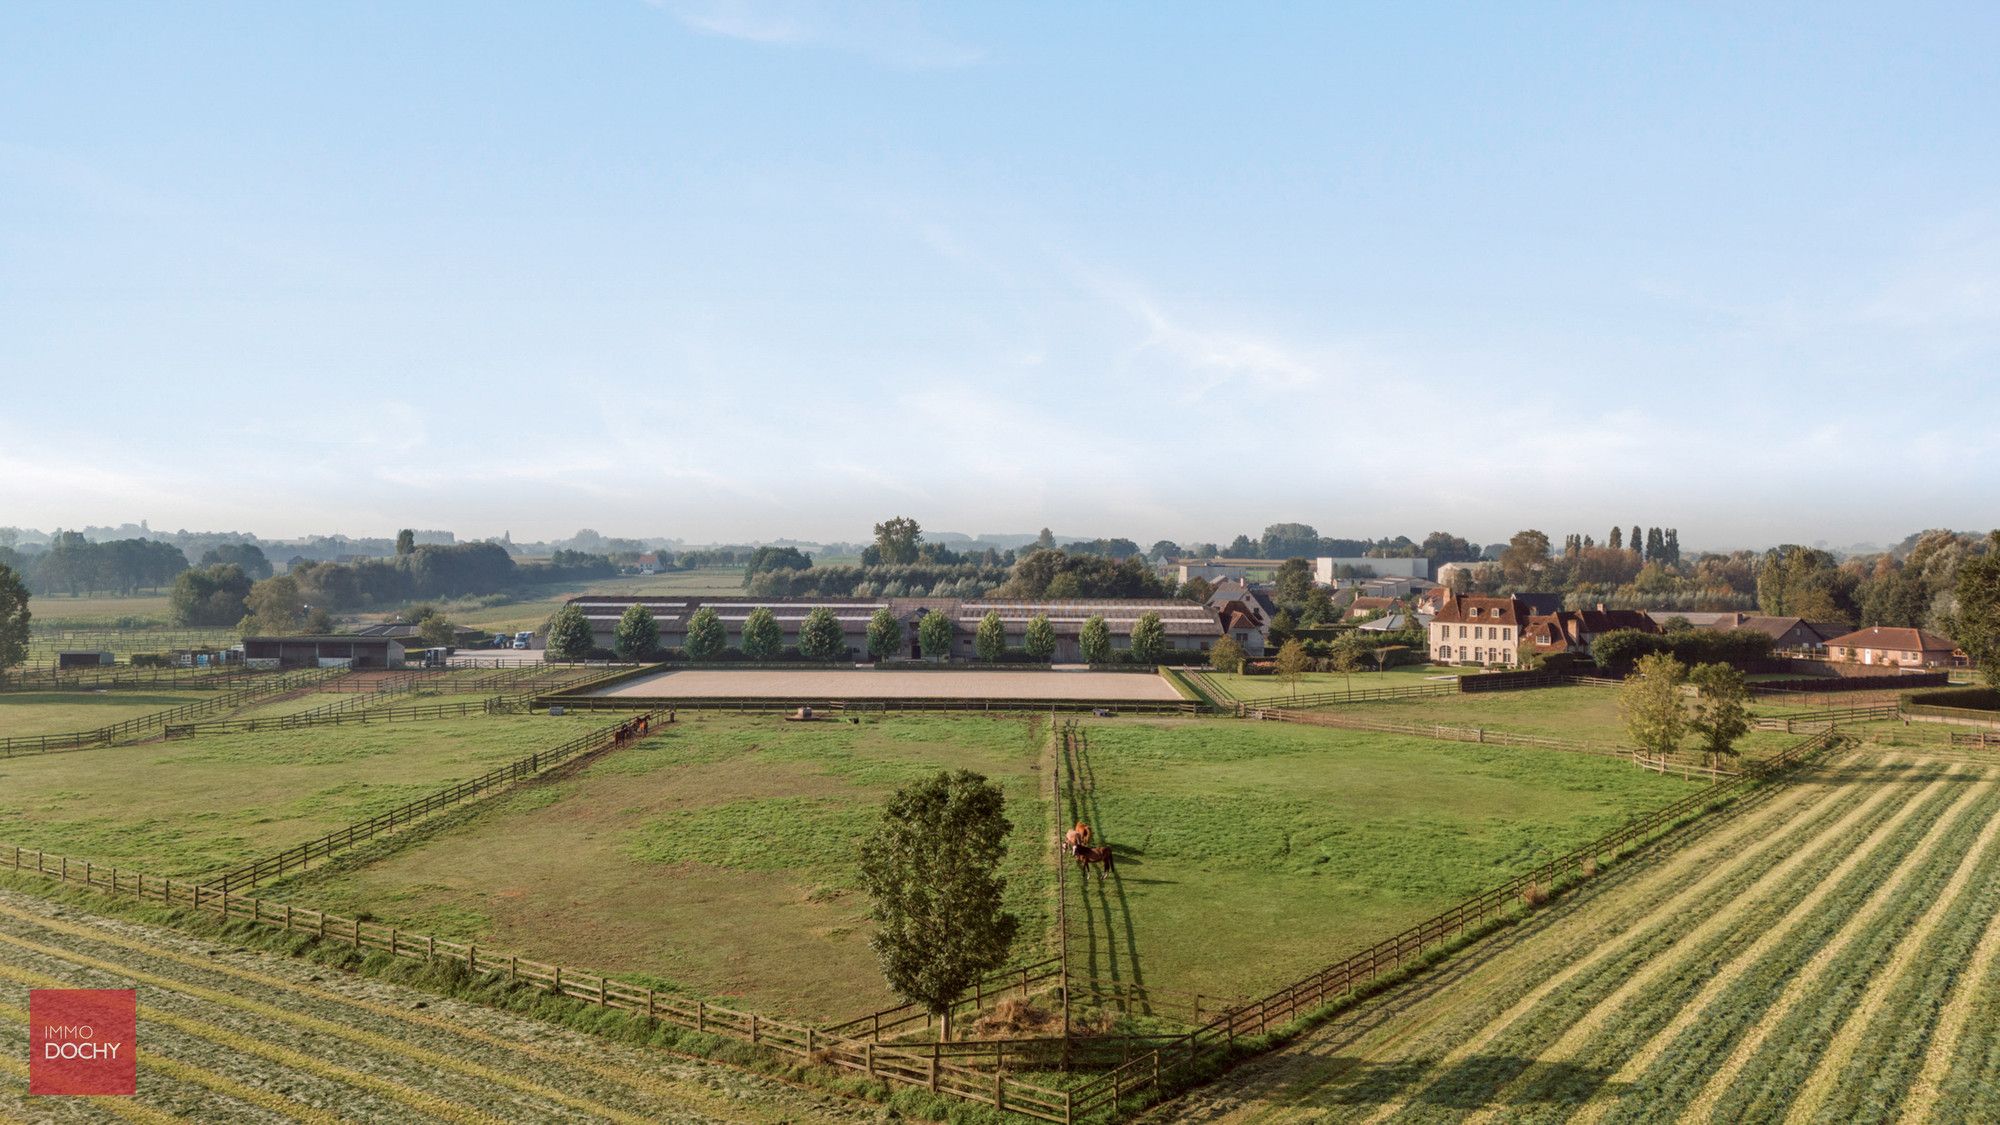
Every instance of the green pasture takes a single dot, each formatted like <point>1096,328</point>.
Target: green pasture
<point>717,857</point>
<point>1256,689</point>
<point>192,806</point>
<point>1583,714</point>
<point>60,712</point>
<point>1250,854</point>
<point>95,610</point>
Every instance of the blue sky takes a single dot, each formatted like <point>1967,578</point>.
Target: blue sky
<point>734,270</point>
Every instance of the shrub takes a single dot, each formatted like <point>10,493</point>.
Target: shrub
<point>1970,698</point>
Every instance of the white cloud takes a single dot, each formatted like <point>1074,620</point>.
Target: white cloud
<point>891,33</point>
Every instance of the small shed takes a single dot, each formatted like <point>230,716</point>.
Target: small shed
<point>84,659</point>
<point>330,651</point>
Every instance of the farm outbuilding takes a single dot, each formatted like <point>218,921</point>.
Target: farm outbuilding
<point>325,651</point>
<point>1188,626</point>
<point>84,659</point>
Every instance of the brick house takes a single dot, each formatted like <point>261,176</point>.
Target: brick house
<point>1573,630</point>
<point>1891,646</point>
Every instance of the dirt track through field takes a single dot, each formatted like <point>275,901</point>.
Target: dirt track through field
<point>223,1033</point>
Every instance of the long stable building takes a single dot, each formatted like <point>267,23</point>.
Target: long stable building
<point>1189,626</point>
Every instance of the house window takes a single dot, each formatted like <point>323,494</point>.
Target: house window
<point>1461,632</point>
<point>1444,652</point>
<point>1479,655</point>
<point>1506,634</point>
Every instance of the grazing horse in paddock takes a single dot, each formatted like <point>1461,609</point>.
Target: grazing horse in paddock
<point>1087,855</point>
<point>1076,837</point>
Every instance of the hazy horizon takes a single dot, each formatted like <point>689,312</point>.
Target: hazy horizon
<point>743,270</point>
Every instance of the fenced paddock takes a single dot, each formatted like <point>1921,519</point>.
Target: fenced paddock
<point>195,805</point>
<point>808,684</point>
<point>718,854</point>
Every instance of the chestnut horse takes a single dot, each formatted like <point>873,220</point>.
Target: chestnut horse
<point>1076,837</point>
<point>1087,855</point>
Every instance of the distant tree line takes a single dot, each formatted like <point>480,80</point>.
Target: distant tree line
<point>75,566</point>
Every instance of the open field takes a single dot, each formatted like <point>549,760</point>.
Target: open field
<point>1253,689</point>
<point>1832,953</point>
<point>59,712</point>
<point>191,806</point>
<point>1249,854</point>
<point>102,609</point>
<point>850,683</point>
<point>531,606</point>
<point>1581,713</point>
<point>716,857</point>
<point>233,1036</point>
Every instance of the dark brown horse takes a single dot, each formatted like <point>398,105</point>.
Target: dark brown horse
<point>1087,855</point>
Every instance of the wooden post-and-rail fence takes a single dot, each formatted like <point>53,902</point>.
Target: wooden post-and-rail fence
<point>526,766</point>
<point>882,1061</point>
<point>159,720</point>
<point>1302,997</point>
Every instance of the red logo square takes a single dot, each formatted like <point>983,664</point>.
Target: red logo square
<point>83,1041</point>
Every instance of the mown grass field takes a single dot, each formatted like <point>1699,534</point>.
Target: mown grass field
<point>1249,854</point>
<point>1830,954</point>
<point>59,712</point>
<point>1253,689</point>
<point>717,857</point>
<point>191,806</point>
<point>228,1036</point>
<point>1585,714</point>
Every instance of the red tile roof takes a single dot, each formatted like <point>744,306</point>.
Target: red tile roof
<point>1893,639</point>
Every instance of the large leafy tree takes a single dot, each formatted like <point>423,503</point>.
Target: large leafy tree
<point>276,608</point>
<point>249,556</point>
<point>933,871</point>
<point>885,635</point>
<point>934,636</point>
<point>637,638</point>
<point>763,637</point>
<point>1976,625</point>
<point>1527,554</point>
<point>13,619</point>
<point>1040,639</point>
<point>820,637</point>
<point>991,638</point>
<point>1227,656</point>
<point>1294,581</point>
<point>1149,639</point>
<point>569,636</point>
<point>705,637</point>
<point>1651,701</point>
<point>1095,640</point>
<point>1721,710</point>
<point>897,541</point>
<point>210,595</point>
